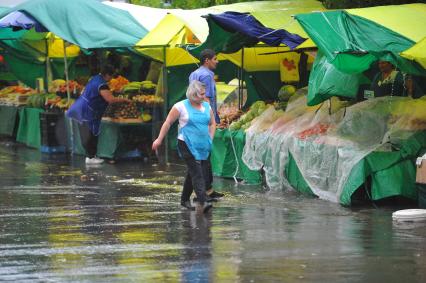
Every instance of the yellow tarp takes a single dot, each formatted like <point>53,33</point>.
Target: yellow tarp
<point>408,20</point>
<point>55,45</point>
<point>173,30</point>
<point>417,53</point>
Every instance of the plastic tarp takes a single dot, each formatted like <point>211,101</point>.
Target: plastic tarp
<point>39,42</point>
<point>272,14</point>
<point>327,81</point>
<point>86,23</point>
<point>346,41</point>
<point>162,43</point>
<point>8,118</point>
<point>29,127</point>
<point>327,143</point>
<point>147,17</point>
<point>226,157</point>
<point>21,20</point>
<point>417,53</point>
<point>113,140</point>
<point>26,52</point>
<point>237,30</point>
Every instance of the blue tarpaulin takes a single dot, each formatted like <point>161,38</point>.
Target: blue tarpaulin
<point>20,20</point>
<point>248,25</point>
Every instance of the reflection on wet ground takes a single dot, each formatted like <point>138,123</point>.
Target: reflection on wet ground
<point>63,222</point>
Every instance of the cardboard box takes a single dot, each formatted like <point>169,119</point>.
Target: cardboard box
<point>421,171</point>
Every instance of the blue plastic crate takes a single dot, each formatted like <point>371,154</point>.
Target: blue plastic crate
<point>136,153</point>
<point>52,149</point>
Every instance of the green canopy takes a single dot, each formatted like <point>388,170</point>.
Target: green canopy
<point>86,23</point>
<point>352,43</point>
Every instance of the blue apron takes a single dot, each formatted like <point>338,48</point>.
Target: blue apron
<point>196,131</point>
<point>90,106</point>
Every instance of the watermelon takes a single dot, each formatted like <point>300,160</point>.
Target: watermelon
<point>285,92</point>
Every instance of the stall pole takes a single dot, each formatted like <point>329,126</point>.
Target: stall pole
<point>68,96</point>
<point>46,75</point>
<point>241,92</point>
<point>165,96</point>
<point>66,71</point>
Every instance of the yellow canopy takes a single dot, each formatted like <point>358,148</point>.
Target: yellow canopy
<point>417,53</point>
<point>408,20</point>
<point>403,19</point>
<point>55,46</point>
<point>170,33</point>
<point>187,26</point>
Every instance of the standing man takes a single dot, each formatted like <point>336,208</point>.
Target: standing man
<point>205,74</point>
<point>89,108</point>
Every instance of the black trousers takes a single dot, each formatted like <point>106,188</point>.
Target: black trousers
<point>88,140</point>
<point>197,177</point>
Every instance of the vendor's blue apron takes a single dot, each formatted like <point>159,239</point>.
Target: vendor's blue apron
<point>196,131</point>
<point>90,106</point>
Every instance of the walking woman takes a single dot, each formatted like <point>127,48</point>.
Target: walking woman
<point>196,131</point>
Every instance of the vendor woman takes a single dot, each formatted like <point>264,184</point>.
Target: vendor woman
<point>89,108</point>
<point>388,82</point>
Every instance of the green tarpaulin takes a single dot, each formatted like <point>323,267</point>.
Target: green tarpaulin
<point>8,118</point>
<point>227,163</point>
<point>348,42</point>
<point>29,127</point>
<point>115,141</point>
<point>392,173</point>
<point>86,23</point>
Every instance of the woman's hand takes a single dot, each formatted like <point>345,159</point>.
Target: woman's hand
<point>156,144</point>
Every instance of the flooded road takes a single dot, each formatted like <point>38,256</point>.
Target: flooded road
<point>61,221</point>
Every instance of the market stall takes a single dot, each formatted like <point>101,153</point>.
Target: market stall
<point>331,150</point>
<point>123,33</point>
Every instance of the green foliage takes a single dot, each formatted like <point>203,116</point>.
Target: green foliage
<point>186,4</point>
<point>346,4</point>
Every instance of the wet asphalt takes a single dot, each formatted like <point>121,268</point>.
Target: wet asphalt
<point>61,221</point>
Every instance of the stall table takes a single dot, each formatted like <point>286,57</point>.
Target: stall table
<point>29,127</point>
<point>116,140</point>
<point>225,162</point>
<point>392,173</point>
<point>8,120</point>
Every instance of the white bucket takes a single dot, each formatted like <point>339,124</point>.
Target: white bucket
<point>409,215</point>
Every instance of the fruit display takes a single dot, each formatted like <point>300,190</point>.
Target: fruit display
<point>122,110</point>
<point>49,100</point>
<point>284,95</point>
<point>148,100</point>
<point>143,88</point>
<point>229,116</point>
<point>59,87</point>
<point>146,116</point>
<point>117,84</point>
<point>245,120</point>
<point>15,95</point>
<point>318,129</point>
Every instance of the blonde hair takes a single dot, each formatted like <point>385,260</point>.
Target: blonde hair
<point>194,89</point>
